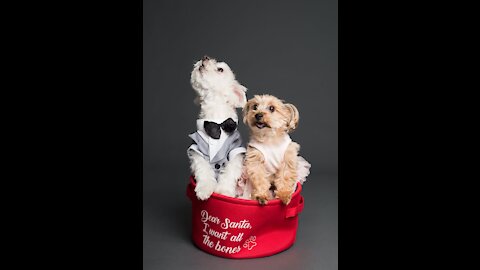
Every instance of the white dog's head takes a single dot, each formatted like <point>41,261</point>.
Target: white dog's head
<point>212,79</point>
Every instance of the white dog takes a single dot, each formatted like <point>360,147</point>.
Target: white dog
<point>216,155</point>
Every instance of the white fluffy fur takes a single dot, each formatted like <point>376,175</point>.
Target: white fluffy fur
<point>218,94</point>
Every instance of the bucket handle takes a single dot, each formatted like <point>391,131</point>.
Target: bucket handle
<point>294,211</point>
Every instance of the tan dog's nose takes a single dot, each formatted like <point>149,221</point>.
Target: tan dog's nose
<point>259,116</point>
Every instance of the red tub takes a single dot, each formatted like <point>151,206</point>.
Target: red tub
<point>238,228</point>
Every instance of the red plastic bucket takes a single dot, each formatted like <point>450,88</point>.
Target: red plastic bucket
<point>237,228</point>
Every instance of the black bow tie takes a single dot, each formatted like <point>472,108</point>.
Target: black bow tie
<point>213,129</point>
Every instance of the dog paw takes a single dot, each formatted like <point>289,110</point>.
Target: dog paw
<point>204,189</point>
<point>262,199</point>
<point>284,195</point>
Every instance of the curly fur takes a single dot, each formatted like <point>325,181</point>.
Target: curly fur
<point>218,94</point>
<point>277,120</point>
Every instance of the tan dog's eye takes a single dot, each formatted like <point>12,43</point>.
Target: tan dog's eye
<point>255,107</point>
<point>220,69</point>
<point>271,108</point>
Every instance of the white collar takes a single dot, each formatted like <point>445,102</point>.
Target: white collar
<point>214,145</point>
<point>215,120</point>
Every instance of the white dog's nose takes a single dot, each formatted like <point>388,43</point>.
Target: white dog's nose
<point>205,57</point>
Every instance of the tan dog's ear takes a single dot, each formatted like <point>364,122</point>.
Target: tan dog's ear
<point>292,123</point>
<point>245,110</point>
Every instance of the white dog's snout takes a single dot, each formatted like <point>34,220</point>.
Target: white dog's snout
<point>205,61</point>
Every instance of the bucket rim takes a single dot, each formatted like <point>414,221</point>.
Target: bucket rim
<point>229,199</point>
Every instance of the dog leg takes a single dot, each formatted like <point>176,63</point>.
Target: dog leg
<point>229,175</point>
<point>286,178</point>
<point>204,175</point>
<point>247,191</point>
<point>257,175</point>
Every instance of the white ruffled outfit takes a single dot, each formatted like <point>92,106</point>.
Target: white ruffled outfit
<point>273,155</point>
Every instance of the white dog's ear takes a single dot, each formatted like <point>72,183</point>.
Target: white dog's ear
<point>292,123</point>
<point>241,98</point>
<point>197,101</point>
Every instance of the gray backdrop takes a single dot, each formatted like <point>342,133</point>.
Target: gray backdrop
<point>284,48</point>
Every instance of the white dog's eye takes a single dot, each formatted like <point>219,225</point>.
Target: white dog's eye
<point>220,69</point>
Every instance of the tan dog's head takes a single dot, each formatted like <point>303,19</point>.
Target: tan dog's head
<point>266,114</point>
